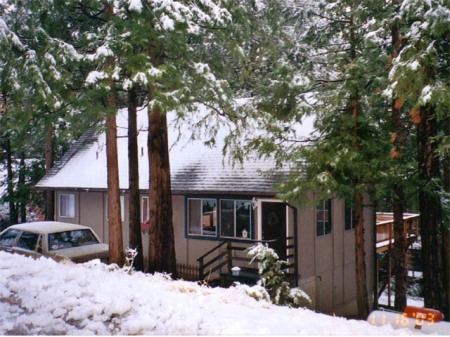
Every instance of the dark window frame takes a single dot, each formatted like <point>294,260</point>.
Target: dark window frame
<point>218,199</point>
<point>201,200</point>
<point>235,224</point>
<point>324,226</point>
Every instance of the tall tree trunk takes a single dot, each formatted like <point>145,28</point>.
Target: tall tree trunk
<point>430,213</point>
<point>114,208</point>
<point>49,195</point>
<point>161,245</point>
<point>13,212</point>
<point>362,297</point>
<point>133,176</point>
<point>115,220</point>
<point>446,254</point>
<point>22,189</point>
<point>399,251</point>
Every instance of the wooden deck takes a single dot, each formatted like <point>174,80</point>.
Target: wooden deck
<point>385,245</point>
<point>385,230</point>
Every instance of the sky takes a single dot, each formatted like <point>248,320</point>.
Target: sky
<point>43,297</point>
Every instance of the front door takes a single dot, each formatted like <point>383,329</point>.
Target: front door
<point>274,226</point>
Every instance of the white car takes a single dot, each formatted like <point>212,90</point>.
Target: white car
<point>57,240</point>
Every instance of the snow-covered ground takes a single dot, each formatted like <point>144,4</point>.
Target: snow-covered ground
<point>411,301</point>
<point>45,297</point>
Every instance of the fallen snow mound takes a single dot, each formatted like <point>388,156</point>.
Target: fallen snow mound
<point>42,297</point>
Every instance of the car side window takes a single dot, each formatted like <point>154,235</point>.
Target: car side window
<point>8,238</point>
<point>69,239</point>
<point>28,241</point>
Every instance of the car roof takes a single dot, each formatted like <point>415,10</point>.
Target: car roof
<point>42,227</point>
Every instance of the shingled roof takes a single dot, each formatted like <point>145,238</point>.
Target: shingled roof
<point>195,167</point>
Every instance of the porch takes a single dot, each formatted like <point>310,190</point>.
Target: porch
<point>215,266</point>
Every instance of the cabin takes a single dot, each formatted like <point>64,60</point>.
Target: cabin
<point>219,210</point>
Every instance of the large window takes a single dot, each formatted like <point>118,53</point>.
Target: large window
<point>323,218</point>
<point>235,219</point>
<point>202,217</point>
<point>67,205</point>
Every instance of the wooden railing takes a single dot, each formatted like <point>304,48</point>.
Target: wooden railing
<point>385,228</point>
<point>228,254</point>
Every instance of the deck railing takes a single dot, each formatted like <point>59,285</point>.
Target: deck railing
<point>229,253</point>
<point>385,228</point>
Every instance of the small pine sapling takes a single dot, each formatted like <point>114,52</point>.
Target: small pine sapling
<point>130,255</point>
<point>271,271</point>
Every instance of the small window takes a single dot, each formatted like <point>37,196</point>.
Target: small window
<point>349,218</point>
<point>323,218</point>
<point>202,217</point>
<point>28,241</point>
<point>145,209</point>
<point>67,205</point>
<point>122,208</point>
<point>8,238</point>
<point>235,219</point>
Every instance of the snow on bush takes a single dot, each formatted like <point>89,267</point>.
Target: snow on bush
<point>272,275</point>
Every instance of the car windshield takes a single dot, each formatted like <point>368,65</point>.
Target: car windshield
<point>69,239</point>
<point>8,238</point>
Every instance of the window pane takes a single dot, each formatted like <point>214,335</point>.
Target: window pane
<point>145,209</point>
<point>227,217</point>
<point>328,227</point>
<point>320,215</point>
<point>28,241</point>
<point>323,218</point>
<point>348,215</point>
<point>122,207</point>
<point>209,217</point>
<point>319,229</point>
<point>243,219</point>
<point>195,216</point>
<point>8,238</point>
<point>67,205</point>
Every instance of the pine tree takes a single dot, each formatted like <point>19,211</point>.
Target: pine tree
<point>421,74</point>
<point>336,82</point>
<point>158,48</point>
<point>35,79</point>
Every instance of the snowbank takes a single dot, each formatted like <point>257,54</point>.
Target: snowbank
<point>45,297</point>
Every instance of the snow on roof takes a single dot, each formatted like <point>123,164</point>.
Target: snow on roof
<point>195,167</point>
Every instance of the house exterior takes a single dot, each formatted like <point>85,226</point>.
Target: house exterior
<point>215,202</point>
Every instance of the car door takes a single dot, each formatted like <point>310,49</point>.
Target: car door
<point>29,244</point>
